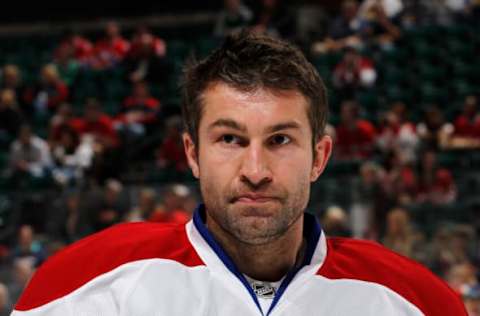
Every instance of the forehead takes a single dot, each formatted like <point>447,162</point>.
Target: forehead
<point>256,108</point>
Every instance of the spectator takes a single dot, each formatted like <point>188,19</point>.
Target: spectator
<point>355,136</point>
<point>467,125</point>
<point>379,19</point>
<point>5,302</point>
<point>471,298</point>
<point>273,17</point>
<point>58,122</point>
<point>233,17</point>
<point>97,129</point>
<point>444,190</point>
<point>369,202</point>
<point>400,181</point>
<point>49,93</point>
<point>11,80</point>
<point>97,124</point>
<point>172,210</point>
<point>28,247</point>
<point>147,203</point>
<point>446,12</point>
<point>10,117</point>
<point>79,46</point>
<point>111,49</point>
<point>67,223</point>
<point>139,112</point>
<point>146,59</point>
<point>451,246</point>
<point>401,237</point>
<point>23,269</point>
<point>71,157</point>
<point>461,276</point>
<point>29,155</point>
<point>68,67</point>
<point>335,222</point>
<point>353,72</point>
<point>171,153</point>
<point>433,131</point>
<point>107,207</point>
<point>343,30</point>
<point>427,175</point>
<point>398,134</point>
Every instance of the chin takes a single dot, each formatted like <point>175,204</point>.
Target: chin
<point>256,230</point>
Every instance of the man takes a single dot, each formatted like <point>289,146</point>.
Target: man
<point>254,112</point>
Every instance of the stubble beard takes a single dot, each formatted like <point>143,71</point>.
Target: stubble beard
<point>240,222</point>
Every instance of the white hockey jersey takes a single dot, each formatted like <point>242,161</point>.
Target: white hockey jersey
<point>147,269</point>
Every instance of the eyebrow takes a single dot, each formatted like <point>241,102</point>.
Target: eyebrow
<point>283,126</point>
<point>228,123</point>
<point>242,128</point>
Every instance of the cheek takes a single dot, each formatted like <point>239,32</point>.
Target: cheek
<point>217,170</point>
<point>292,164</point>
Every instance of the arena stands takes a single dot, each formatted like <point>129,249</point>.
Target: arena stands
<point>90,130</point>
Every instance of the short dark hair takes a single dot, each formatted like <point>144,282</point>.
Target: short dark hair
<point>248,61</point>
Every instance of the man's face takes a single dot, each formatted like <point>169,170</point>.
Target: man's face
<point>255,160</point>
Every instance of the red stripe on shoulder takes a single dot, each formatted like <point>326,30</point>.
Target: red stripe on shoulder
<point>102,252</point>
<point>371,262</point>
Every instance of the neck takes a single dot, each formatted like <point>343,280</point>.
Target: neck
<point>266,262</point>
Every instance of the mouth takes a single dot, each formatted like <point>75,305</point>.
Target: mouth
<point>254,199</point>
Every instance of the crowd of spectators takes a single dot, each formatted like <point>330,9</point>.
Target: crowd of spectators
<point>88,154</point>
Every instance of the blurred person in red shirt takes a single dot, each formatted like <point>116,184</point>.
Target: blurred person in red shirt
<point>146,58</point>
<point>400,181</point>
<point>96,123</point>
<point>139,111</point>
<point>398,134</point>
<point>435,184</point>
<point>172,209</point>
<point>467,124</point>
<point>171,153</point>
<point>81,47</point>
<point>111,48</point>
<point>60,120</point>
<point>97,129</point>
<point>50,91</point>
<point>355,136</point>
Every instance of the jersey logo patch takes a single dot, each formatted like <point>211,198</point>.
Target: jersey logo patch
<point>263,289</point>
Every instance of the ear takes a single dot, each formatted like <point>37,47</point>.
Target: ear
<point>323,149</point>
<point>191,153</point>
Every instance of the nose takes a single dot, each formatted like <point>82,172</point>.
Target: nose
<point>255,171</point>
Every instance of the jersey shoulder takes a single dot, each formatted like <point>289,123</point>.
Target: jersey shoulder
<point>103,252</point>
<point>369,261</point>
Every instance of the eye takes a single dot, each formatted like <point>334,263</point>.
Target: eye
<point>280,139</point>
<point>230,139</point>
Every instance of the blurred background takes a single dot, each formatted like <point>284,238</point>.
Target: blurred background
<point>90,125</point>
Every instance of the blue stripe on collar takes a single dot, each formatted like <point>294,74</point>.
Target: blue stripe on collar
<point>199,222</point>
<point>311,232</point>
